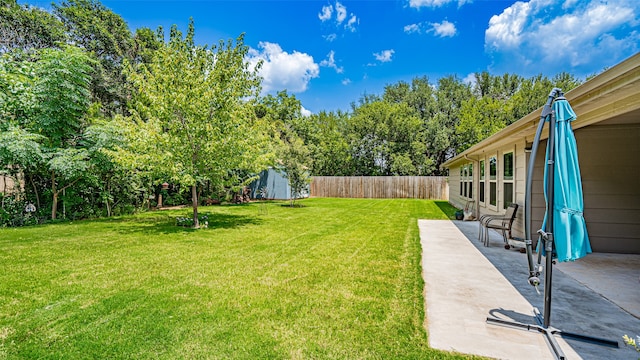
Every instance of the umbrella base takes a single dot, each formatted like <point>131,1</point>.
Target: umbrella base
<point>550,333</point>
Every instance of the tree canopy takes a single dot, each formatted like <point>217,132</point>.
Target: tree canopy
<point>95,116</point>
<point>191,119</point>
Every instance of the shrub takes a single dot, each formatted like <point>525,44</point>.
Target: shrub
<point>187,221</point>
<point>13,213</point>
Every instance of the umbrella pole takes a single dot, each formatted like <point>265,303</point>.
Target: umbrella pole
<point>548,236</point>
<point>544,320</point>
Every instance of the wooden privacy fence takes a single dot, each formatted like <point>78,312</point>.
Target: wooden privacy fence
<point>384,187</point>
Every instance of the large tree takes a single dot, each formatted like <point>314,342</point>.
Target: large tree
<point>328,144</point>
<point>192,119</point>
<point>27,27</point>
<point>105,35</point>
<point>291,128</point>
<point>387,139</point>
<point>46,101</point>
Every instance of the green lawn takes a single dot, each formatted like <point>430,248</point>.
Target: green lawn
<point>335,279</point>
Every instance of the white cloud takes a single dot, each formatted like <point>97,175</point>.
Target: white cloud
<point>346,81</point>
<point>330,37</point>
<point>304,111</point>
<point>412,28</point>
<point>341,12</point>
<point>384,56</point>
<point>470,79</point>
<point>436,3</point>
<point>282,70</point>
<point>351,23</point>
<point>563,35</point>
<point>443,29</point>
<point>506,29</point>
<point>331,62</point>
<point>326,13</point>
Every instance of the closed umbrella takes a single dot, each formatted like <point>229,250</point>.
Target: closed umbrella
<point>569,227</point>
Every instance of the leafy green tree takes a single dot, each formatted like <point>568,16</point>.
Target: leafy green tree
<point>387,139</point>
<point>62,96</point>
<point>419,95</point>
<point>294,162</point>
<point>26,27</point>
<point>146,42</point>
<point>105,35</point>
<point>501,100</point>
<point>16,85</point>
<point>328,144</point>
<point>534,91</point>
<point>292,131</point>
<point>496,87</point>
<point>192,120</point>
<point>47,125</point>
<point>441,141</point>
<point>113,187</point>
<point>480,118</point>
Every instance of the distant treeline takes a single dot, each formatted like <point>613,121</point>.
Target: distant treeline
<point>94,118</point>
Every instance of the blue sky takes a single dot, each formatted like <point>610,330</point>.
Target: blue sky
<point>328,53</point>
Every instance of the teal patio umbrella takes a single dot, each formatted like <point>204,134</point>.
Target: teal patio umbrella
<point>564,233</point>
<point>571,239</point>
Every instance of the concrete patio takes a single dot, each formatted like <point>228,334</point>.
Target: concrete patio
<point>465,282</point>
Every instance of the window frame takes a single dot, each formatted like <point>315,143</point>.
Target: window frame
<point>481,182</point>
<point>466,181</point>
<point>511,180</point>
<point>470,180</point>
<point>493,181</point>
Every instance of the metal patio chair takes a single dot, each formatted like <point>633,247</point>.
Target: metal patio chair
<point>498,222</point>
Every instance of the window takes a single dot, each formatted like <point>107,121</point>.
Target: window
<point>493,168</point>
<point>466,181</point>
<point>508,166</point>
<point>481,191</point>
<point>493,181</point>
<point>507,183</point>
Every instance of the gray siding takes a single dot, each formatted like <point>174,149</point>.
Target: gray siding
<point>610,166</point>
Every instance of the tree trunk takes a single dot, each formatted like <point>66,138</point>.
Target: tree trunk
<point>194,201</point>
<point>108,187</point>
<point>35,191</point>
<point>54,205</point>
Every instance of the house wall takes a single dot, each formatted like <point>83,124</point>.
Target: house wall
<point>609,157</point>
<point>520,159</point>
<point>454,188</point>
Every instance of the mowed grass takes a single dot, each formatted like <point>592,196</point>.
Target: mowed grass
<point>334,279</point>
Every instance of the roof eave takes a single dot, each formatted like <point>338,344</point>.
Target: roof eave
<point>623,80</point>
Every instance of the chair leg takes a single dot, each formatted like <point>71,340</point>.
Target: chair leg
<point>486,236</point>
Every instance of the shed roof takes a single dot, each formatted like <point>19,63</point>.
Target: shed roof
<point>612,97</point>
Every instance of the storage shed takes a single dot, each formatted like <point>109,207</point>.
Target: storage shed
<point>276,185</point>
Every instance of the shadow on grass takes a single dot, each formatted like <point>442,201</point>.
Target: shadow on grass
<point>294,205</point>
<point>447,209</point>
<point>166,224</point>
